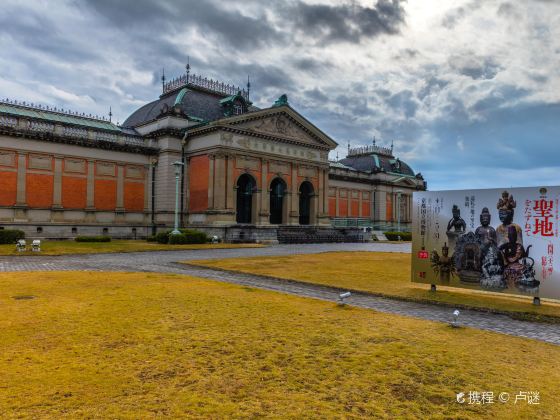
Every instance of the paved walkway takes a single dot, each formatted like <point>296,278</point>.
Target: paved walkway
<point>166,262</point>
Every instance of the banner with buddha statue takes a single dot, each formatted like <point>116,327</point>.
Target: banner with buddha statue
<point>499,240</point>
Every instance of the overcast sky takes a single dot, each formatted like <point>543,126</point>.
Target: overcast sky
<point>468,90</point>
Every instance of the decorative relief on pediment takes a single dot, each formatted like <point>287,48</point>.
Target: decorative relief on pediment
<point>279,125</point>
<point>226,139</point>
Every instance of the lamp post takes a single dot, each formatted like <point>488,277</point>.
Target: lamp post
<point>399,192</point>
<point>178,165</point>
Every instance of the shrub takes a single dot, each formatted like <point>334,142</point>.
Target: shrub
<point>151,238</point>
<point>163,237</point>
<point>394,236</point>
<point>93,239</point>
<point>11,236</point>
<point>188,236</point>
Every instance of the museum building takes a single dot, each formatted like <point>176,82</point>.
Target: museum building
<point>236,171</point>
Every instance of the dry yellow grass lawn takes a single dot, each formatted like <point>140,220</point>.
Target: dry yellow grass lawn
<point>383,273</point>
<point>117,345</point>
<point>72,247</point>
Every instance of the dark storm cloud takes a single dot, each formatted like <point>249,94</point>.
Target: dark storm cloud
<point>159,19</point>
<point>347,22</point>
<point>35,32</point>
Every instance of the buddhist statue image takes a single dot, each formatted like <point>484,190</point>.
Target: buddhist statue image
<point>518,266</point>
<point>468,257</point>
<point>443,265</point>
<point>506,206</point>
<point>491,277</point>
<point>456,226</point>
<point>485,232</point>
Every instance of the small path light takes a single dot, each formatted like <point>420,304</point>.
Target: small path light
<point>455,320</point>
<point>343,296</point>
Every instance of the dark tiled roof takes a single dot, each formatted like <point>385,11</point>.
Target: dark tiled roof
<point>194,103</point>
<point>377,163</point>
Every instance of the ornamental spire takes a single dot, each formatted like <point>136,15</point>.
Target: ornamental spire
<point>163,80</point>
<point>248,87</point>
<point>188,68</point>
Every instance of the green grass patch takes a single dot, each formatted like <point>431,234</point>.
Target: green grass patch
<point>135,345</point>
<point>383,274</point>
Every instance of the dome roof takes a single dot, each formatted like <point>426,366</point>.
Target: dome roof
<point>191,102</point>
<point>377,163</point>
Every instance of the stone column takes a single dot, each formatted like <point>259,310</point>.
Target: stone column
<point>90,185</point>
<point>264,212</point>
<point>220,182</point>
<point>211,182</point>
<point>326,191</point>
<point>147,188</point>
<point>90,192</point>
<point>21,200</point>
<point>360,193</point>
<point>120,187</point>
<point>294,209</point>
<point>321,196</point>
<point>230,187</point>
<point>336,199</point>
<point>57,185</point>
<point>349,202</point>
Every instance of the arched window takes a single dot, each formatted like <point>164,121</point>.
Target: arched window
<point>277,193</point>
<point>245,187</point>
<point>305,195</point>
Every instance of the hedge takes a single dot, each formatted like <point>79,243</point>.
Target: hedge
<point>394,236</point>
<point>188,236</point>
<point>93,239</point>
<point>151,238</point>
<point>11,236</point>
<point>163,237</point>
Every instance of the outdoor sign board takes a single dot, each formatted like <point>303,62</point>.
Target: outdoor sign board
<point>501,240</point>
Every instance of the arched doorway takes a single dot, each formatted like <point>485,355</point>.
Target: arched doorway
<point>245,187</point>
<point>305,195</point>
<point>277,193</point>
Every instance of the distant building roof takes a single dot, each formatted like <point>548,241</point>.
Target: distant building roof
<point>196,98</point>
<point>376,159</point>
<point>22,109</point>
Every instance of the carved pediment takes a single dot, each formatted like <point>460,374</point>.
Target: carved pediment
<point>280,125</point>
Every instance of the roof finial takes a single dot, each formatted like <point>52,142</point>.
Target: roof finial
<point>248,87</point>
<point>374,140</point>
<point>348,146</point>
<point>163,80</point>
<point>110,114</point>
<point>337,156</point>
<point>391,146</point>
<point>188,67</point>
